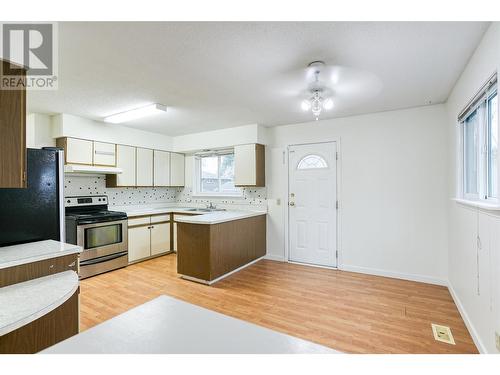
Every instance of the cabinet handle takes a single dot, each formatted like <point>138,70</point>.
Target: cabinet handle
<point>71,265</point>
<point>109,153</point>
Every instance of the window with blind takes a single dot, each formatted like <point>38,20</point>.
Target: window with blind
<point>479,145</point>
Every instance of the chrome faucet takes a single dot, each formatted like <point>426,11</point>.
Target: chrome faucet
<point>211,206</point>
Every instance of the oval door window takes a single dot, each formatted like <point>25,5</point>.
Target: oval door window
<point>312,162</point>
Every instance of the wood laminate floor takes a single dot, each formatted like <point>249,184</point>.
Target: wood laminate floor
<point>347,311</point>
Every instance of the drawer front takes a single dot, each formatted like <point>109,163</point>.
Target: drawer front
<point>160,218</point>
<point>143,220</point>
<point>30,271</point>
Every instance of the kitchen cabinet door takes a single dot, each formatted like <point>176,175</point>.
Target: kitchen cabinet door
<point>78,151</point>
<point>176,169</point>
<point>12,135</point>
<point>161,168</point>
<point>104,154</point>
<point>144,167</point>
<point>160,238</point>
<point>175,237</point>
<point>249,165</point>
<point>174,231</point>
<point>125,159</point>
<point>139,243</point>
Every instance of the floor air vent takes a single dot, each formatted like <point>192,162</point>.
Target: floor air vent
<point>443,334</point>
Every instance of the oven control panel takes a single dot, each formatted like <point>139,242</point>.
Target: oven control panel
<point>95,200</point>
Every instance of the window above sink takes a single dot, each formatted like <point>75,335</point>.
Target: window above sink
<point>214,175</point>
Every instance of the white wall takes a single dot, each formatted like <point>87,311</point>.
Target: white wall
<point>393,194</point>
<point>221,138</point>
<point>39,131</point>
<point>65,125</point>
<point>477,298</point>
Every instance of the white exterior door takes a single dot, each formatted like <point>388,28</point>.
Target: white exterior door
<point>312,204</point>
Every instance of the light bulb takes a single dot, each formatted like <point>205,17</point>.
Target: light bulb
<point>305,105</point>
<point>328,104</point>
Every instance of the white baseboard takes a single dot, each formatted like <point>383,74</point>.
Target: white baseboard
<point>277,258</point>
<point>206,282</point>
<point>395,275</point>
<point>467,321</point>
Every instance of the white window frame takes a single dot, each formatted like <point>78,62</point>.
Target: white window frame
<point>480,103</point>
<point>197,179</point>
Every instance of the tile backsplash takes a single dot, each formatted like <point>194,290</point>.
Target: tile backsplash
<point>96,185</point>
<point>75,185</point>
<point>251,197</point>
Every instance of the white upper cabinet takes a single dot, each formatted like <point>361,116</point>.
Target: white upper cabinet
<point>140,166</point>
<point>125,159</point>
<point>161,168</point>
<point>78,151</point>
<point>144,165</point>
<point>177,168</point>
<point>249,165</point>
<point>105,154</point>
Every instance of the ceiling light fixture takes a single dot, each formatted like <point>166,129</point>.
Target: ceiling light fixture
<point>319,99</point>
<point>136,113</point>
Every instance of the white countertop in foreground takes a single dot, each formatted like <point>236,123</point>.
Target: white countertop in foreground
<point>23,303</point>
<point>16,255</point>
<point>166,325</point>
<point>219,217</point>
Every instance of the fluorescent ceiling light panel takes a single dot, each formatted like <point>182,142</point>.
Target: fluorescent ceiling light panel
<point>137,113</point>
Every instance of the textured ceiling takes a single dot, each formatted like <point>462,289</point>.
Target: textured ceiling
<point>216,74</point>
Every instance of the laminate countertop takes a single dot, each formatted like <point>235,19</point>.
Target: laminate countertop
<point>218,217</point>
<point>194,215</point>
<point>146,210</point>
<point>23,303</point>
<point>16,255</point>
<point>166,325</point>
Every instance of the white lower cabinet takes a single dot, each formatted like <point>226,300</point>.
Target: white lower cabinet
<point>160,238</point>
<point>139,243</point>
<point>148,236</point>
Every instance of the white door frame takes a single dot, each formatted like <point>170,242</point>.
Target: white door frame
<point>339,199</point>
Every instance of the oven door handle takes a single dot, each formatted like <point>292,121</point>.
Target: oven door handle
<point>103,259</point>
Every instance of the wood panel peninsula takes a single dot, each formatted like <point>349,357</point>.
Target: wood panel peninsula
<point>214,245</point>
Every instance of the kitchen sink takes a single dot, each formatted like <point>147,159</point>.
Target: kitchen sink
<point>206,209</point>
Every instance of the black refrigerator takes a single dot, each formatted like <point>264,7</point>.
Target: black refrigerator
<point>35,213</point>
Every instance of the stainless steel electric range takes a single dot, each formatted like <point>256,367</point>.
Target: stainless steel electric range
<point>101,233</point>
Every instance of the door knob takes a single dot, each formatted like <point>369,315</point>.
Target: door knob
<point>292,203</point>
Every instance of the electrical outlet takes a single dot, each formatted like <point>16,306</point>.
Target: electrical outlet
<point>497,340</point>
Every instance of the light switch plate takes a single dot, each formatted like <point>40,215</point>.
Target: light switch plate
<point>497,340</point>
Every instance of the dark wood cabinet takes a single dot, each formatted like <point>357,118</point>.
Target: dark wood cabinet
<point>34,270</point>
<point>51,328</point>
<point>208,251</point>
<point>12,132</point>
